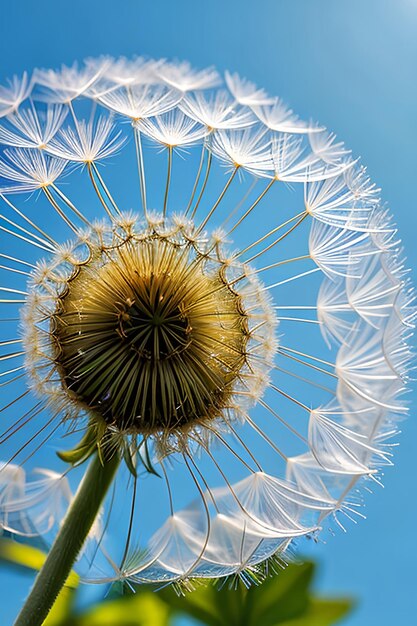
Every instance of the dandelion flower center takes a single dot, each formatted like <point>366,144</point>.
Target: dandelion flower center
<point>150,338</point>
<point>149,334</point>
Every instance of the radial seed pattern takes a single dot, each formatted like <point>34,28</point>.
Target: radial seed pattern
<point>230,313</point>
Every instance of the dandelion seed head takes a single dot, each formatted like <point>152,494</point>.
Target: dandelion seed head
<point>229,314</point>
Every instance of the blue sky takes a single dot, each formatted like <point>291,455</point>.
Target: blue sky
<point>350,64</point>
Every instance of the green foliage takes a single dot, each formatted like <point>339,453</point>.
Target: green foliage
<point>284,599</point>
<point>144,609</point>
<point>83,450</point>
<point>24,556</point>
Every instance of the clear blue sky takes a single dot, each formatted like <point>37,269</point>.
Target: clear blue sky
<point>352,65</point>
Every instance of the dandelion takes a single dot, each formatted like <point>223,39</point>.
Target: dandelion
<point>139,102</point>
<point>46,496</point>
<point>230,361</point>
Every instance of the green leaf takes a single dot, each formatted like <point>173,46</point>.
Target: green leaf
<point>283,599</point>
<point>321,613</point>
<point>277,599</point>
<point>280,597</point>
<point>145,457</point>
<point>62,608</point>
<point>200,604</point>
<point>212,605</point>
<point>28,557</point>
<point>128,458</point>
<point>230,600</point>
<point>141,609</point>
<point>83,449</point>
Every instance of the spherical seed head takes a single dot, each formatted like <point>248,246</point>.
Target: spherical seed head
<point>149,334</point>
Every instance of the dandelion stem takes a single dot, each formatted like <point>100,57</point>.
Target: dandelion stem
<point>97,190</point>
<point>197,179</point>
<point>106,191</point>
<point>59,210</point>
<point>203,186</point>
<point>69,204</point>
<point>241,202</point>
<point>272,266</point>
<point>219,199</point>
<point>24,217</point>
<point>141,169</point>
<point>74,530</point>
<point>23,230</point>
<point>168,179</point>
<point>268,234</point>
<point>274,243</point>
<point>252,206</point>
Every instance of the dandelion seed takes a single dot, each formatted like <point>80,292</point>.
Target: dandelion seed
<point>348,199</point>
<point>140,102</point>
<point>32,508</point>
<point>34,129</point>
<point>126,72</point>
<point>28,170</point>
<point>217,111</point>
<point>246,148</point>
<point>69,83</point>
<point>292,163</point>
<point>12,95</point>
<point>87,142</point>
<point>325,146</point>
<point>184,77</point>
<point>172,130</point>
<point>278,117</point>
<point>246,92</point>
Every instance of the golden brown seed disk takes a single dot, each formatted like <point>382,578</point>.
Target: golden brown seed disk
<point>149,337</point>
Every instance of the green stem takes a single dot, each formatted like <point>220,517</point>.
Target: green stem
<point>69,541</point>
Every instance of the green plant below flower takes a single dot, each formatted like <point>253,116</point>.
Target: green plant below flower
<point>284,600</point>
